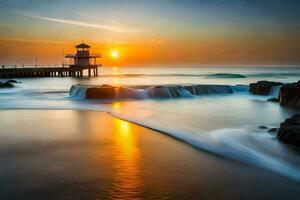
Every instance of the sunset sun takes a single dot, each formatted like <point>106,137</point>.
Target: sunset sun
<point>115,54</point>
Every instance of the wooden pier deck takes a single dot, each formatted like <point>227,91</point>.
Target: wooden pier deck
<point>63,71</point>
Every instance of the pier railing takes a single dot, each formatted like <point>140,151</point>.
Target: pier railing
<point>32,66</point>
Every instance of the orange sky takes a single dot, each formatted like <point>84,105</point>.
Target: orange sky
<point>160,52</point>
<point>153,32</point>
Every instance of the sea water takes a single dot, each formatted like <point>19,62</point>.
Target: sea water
<point>225,124</point>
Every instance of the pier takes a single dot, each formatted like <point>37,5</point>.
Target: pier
<point>62,71</point>
<point>81,61</point>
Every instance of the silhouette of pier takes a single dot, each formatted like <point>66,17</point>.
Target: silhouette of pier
<point>81,61</point>
<point>63,71</point>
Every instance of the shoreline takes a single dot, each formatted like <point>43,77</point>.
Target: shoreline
<point>123,145</point>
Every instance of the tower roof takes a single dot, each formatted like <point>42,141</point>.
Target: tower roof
<point>82,45</point>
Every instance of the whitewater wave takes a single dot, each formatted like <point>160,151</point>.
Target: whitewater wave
<point>236,144</point>
<point>148,92</point>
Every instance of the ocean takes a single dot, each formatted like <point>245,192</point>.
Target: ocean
<point>218,122</point>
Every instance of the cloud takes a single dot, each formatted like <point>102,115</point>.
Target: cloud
<point>85,15</point>
<point>82,14</point>
<point>105,27</point>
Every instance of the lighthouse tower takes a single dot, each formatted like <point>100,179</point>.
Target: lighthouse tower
<point>83,59</point>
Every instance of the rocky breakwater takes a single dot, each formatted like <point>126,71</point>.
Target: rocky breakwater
<point>101,92</point>
<point>290,95</point>
<point>263,87</point>
<point>146,92</point>
<point>289,131</point>
<point>106,92</point>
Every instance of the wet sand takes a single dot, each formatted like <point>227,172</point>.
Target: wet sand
<point>91,155</point>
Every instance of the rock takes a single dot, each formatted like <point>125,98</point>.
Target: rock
<point>273,100</point>
<point>270,130</point>
<point>263,127</point>
<point>101,92</point>
<point>263,87</point>
<point>6,85</point>
<point>289,131</point>
<point>273,130</point>
<point>12,81</point>
<point>289,95</point>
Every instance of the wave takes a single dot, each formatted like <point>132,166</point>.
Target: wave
<point>151,92</point>
<point>260,149</point>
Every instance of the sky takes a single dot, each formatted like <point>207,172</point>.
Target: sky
<point>153,32</point>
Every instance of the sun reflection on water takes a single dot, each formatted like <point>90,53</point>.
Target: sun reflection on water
<point>115,78</point>
<point>127,183</point>
<point>116,106</point>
